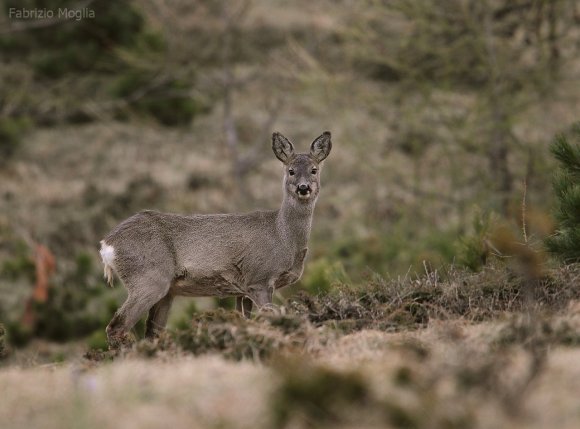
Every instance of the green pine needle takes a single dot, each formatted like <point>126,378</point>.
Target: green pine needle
<point>565,243</point>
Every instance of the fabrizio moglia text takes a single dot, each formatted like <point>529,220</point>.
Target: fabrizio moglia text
<point>60,13</point>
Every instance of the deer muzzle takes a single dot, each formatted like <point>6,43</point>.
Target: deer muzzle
<point>303,190</point>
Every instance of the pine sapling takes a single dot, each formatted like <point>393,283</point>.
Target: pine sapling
<point>565,242</point>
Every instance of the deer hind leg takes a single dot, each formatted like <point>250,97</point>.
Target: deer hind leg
<point>143,293</point>
<point>244,305</point>
<point>158,315</point>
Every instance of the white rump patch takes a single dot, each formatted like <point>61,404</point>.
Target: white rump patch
<point>108,256</point>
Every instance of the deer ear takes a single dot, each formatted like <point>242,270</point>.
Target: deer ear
<point>282,148</point>
<point>320,147</point>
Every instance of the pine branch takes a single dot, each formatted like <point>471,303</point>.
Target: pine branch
<point>566,154</point>
<point>565,243</point>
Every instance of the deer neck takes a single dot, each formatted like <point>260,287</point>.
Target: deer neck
<point>294,221</point>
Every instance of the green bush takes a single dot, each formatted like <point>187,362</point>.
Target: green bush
<point>473,249</point>
<point>20,265</point>
<point>77,306</point>
<point>318,395</point>
<point>12,131</point>
<point>75,45</point>
<point>98,340</point>
<point>17,334</point>
<point>403,248</point>
<point>3,350</point>
<point>114,45</point>
<point>184,321</point>
<point>321,274</point>
<point>167,102</point>
<point>565,243</point>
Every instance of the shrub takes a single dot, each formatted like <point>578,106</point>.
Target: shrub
<point>408,302</point>
<point>115,42</point>
<point>401,249</point>
<point>11,132</point>
<point>319,395</point>
<point>76,45</point>
<point>474,249</point>
<point>2,341</point>
<point>167,102</point>
<point>321,275</point>
<point>229,334</point>
<point>565,243</point>
<point>98,340</point>
<point>77,306</point>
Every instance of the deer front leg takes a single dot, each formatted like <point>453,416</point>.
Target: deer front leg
<point>244,305</point>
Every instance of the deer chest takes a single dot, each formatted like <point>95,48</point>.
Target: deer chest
<point>293,273</point>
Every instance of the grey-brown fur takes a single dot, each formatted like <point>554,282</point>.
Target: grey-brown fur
<point>160,255</point>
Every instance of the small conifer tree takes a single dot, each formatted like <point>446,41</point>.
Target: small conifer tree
<point>2,341</point>
<point>565,243</point>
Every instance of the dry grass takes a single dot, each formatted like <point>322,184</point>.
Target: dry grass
<point>450,374</point>
<point>305,324</point>
<point>333,361</point>
<point>135,394</point>
<point>411,302</point>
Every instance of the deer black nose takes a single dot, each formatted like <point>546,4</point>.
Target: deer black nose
<point>303,189</point>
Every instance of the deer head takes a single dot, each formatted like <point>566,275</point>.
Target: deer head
<point>302,170</point>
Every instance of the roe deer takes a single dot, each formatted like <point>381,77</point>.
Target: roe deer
<point>161,255</point>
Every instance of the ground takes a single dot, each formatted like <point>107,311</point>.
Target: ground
<point>212,392</point>
<point>469,350</point>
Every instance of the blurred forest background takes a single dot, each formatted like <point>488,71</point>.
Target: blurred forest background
<point>441,112</point>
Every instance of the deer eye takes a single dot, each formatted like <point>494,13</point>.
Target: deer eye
<point>314,171</point>
<point>291,172</point>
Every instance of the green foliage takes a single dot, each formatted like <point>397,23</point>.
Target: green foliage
<point>170,110</point>
<point>565,243</point>
<point>20,265</point>
<point>228,303</point>
<point>317,394</point>
<point>312,396</point>
<point>98,340</point>
<point>451,42</point>
<point>84,267</point>
<point>3,350</point>
<point>168,102</point>
<point>403,248</point>
<point>17,334</point>
<point>77,306</point>
<point>77,45</point>
<point>184,321</point>
<point>473,249</point>
<point>321,274</point>
<point>114,45</point>
<point>12,131</point>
